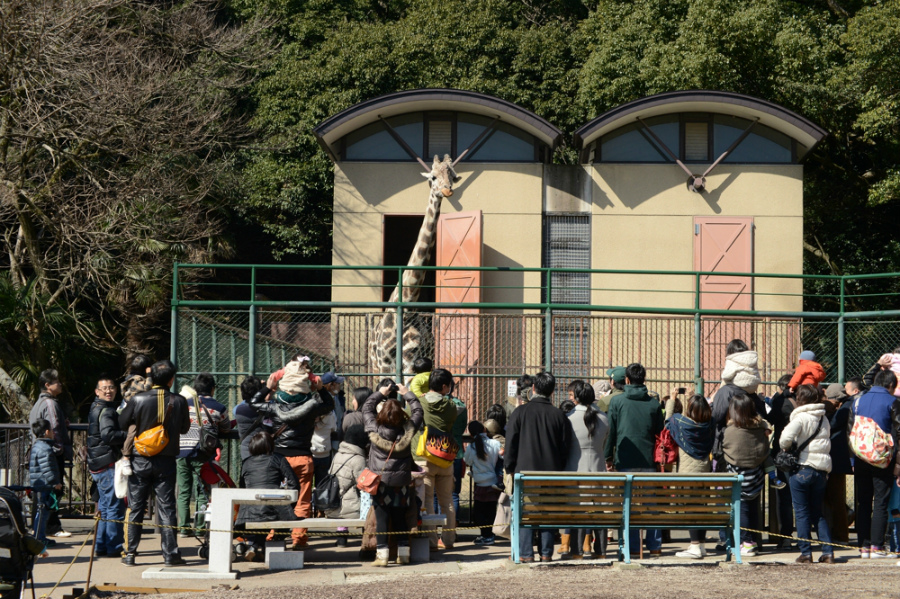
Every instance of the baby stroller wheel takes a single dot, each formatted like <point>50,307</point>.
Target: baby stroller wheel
<point>204,552</point>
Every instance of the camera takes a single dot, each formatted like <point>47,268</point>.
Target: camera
<point>682,390</point>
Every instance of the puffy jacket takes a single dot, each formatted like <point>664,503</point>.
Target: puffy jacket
<point>48,408</point>
<point>742,370</point>
<point>267,472</point>
<point>804,420</point>
<point>217,413</point>
<point>883,408</point>
<point>721,403</point>
<point>419,383</point>
<point>295,421</point>
<point>807,373</point>
<point>104,439</point>
<point>484,472</point>
<point>134,384</point>
<point>347,465</point>
<point>320,443</point>
<point>396,471</point>
<point>142,412</point>
<point>43,468</point>
<point>747,447</point>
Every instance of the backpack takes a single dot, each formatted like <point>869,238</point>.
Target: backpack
<point>209,432</point>
<point>869,442</point>
<point>327,495</point>
<point>665,451</point>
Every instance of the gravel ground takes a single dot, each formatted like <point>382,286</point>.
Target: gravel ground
<point>773,581</point>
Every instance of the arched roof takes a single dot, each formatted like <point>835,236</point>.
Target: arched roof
<point>770,114</point>
<point>329,131</point>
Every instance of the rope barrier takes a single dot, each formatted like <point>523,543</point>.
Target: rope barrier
<point>87,537</point>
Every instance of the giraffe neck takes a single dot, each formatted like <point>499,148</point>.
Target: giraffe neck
<point>412,279</point>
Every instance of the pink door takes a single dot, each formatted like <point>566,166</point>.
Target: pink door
<point>456,329</point>
<point>723,244</point>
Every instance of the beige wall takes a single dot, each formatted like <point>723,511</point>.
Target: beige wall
<point>642,219</point>
<point>509,196</point>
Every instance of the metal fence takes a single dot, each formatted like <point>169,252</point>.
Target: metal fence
<point>679,346</point>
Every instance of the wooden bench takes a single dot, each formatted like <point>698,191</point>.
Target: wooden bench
<point>623,501</point>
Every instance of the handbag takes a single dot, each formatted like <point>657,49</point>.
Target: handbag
<point>665,451</point>
<point>154,440</point>
<point>368,481</point>
<point>120,481</point>
<point>788,460</point>
<point>209,432</point>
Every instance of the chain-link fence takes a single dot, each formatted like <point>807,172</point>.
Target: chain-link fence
<point>486,351</point>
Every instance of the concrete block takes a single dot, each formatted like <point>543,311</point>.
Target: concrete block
<point>274,546</point>
<point>183,573</point>
<point>419,551</point>
<point>285,560</point>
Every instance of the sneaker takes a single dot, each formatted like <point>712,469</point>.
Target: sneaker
<point>864,552</point>
<point>250,554</point>
<point>655,552</point>
<point>804,559</point>
<point>748,549</point>
<point>341,542</point>
<point>775,481</point>
<point>484,541</point>
<point>877,553</point>
<point>693,552</point>
<point>128,559</point>
<point>62,534</point>
<point>826,559</point>
<point>49,543</point>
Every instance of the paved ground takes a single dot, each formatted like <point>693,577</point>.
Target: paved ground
<point>469,571</point>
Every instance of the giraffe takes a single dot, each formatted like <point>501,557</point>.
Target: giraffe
<point>383,344</point>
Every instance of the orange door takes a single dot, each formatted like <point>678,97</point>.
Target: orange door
<point>456,330</point>
<point>723,244</point>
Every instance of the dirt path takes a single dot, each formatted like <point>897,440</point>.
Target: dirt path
<point>843,581</point>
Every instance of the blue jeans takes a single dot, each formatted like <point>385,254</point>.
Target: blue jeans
<point>526,542</point>
<point>654,536</point>
<point>43,505</point>
<point>808,493</point>
<point>110,535</point>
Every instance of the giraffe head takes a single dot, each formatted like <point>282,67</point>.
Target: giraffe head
<point>442,176</point>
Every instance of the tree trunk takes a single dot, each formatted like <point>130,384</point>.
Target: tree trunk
<point>14,400</point>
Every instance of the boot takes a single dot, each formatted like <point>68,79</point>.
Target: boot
<point>402,555</point>
<point>381,557</point>
<point>564,540</point>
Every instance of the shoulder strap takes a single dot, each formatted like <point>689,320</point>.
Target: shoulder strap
<point>816,432</point>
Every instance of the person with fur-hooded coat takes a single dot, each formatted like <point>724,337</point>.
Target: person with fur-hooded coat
<point>391,433</point>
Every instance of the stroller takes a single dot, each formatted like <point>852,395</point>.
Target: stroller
<point>17,547</point>
<point>213,475</point>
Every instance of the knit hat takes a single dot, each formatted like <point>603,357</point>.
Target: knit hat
<point>808,355</point>
<point>602,388</point>
<point>295,379</point>
<point>617,374</point>
<point>836,392</point>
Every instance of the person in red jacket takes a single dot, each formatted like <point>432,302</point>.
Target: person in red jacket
<point>808,371</point>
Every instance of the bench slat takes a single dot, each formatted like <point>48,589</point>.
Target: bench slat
<point>680,501</point>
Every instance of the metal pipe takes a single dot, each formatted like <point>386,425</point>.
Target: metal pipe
<point>840,339</point>
<point>398,365</point>
<point>698,341</point>
<point>173,337</point>
<point>548,325</point>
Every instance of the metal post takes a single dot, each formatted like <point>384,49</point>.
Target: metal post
<point>398,366</point>
<point>548,324</point>
<point>840,339</point>
<point>173,343</point>
<point>698,342</point>
<point>251,357</point>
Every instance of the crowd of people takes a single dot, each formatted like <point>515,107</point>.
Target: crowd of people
<point>397,452</point>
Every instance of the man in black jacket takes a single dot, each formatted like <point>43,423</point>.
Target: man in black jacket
<point>538,437</point>
<point>294,424</point>
<point>104,447</point>
<point>156,472</point>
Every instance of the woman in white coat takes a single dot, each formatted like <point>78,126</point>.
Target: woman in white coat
<point>586,454</point>
<point>808,421</point>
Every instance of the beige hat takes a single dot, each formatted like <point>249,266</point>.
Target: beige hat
<point>835,392</point>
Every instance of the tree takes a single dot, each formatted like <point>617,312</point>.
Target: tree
<point>119,121</point>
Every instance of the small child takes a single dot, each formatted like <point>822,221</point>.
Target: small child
<point>808,371</point>
<point>294,385</point>
<point>45,477</point>
<point>419,383</point>
<point>482,455</point>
